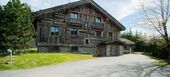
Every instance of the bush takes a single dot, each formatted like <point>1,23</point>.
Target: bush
<point>31,50</point>
<point>156,48</point>
<point>4,53</point>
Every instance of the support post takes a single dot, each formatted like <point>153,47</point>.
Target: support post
<point>130,50</point>
<point>10,51</point>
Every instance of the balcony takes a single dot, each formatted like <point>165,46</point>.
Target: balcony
<point>97,25</point>
<point>50,41</point>
<point>97,40</point>
<point>74,21</point>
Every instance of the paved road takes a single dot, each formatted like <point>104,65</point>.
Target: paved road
<point>122,66</point>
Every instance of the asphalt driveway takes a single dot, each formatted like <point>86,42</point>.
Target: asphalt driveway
<point>130,65</point>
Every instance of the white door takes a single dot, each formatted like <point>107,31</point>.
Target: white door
<point>108,50</point>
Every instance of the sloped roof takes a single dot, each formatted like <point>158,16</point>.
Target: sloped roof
<point>77,3</point>
<point>122,41</point>
<point>126,41</point>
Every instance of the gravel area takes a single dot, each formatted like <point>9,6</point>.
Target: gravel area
<point>130,65</point>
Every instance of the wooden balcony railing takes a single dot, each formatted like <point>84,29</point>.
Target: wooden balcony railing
<point>74,21</point>
<point>97,25</point>
<point>50,41</point>
<point>97,40</point>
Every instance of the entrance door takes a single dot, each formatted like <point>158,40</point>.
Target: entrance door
<point>108,50</point>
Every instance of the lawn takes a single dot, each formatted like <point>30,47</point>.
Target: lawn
<point>27,61</point>
<point>162,63</point>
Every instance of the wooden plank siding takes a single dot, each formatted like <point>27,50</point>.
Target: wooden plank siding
<point>85,23</point>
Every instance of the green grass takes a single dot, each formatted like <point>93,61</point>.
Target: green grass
<point>137,53</point>
<point>161,63</point>
<point>27,61</point>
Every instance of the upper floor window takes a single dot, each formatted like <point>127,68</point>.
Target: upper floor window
<point>98,20</point>
<point>110,35</point>
<point>74,31</point>
<point>98,34</point>
<point>74,15</point>
<point>54,30</point>
<point>86,24</point>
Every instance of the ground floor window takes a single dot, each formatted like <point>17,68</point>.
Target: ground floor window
<point>74,31</point>
<point>54,30</point>
<point>125,48</point>
<point>98,34</point>
<point>74,49</point>
<point>87,41</point>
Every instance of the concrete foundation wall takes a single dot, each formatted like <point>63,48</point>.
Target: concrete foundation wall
<point>114,50</point>
<point>87,50</point>
<point>64,49</point>
<point>42,49</point>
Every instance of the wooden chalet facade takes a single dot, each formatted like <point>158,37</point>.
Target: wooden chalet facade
<point>81,26</point>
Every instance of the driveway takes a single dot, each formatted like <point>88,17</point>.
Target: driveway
<point>131,65</point>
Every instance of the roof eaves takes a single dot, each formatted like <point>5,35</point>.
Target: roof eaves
<point>107,14</point>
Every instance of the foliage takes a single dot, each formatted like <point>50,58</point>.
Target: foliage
<point>158,17</point>
<point>31,50</point>
<point>157,48</point>
<point>35,60</point>
<point>154,46</point>
<point>15,25</point>
<point>161,63</point>
<point>138,38</point>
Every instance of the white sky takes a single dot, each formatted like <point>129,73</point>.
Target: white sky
<point>125,11</point>
<point>117,8</point>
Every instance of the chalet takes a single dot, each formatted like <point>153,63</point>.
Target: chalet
<point>81,27</point>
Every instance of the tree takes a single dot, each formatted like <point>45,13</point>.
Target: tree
<point>158,14</point>
<point>138,38</point>
<point>16,29</point>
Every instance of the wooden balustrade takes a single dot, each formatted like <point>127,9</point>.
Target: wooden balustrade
<point>75,21</point>
<point>97,25</point>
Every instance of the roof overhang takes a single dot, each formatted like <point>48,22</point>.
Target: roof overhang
<point>78,3</point>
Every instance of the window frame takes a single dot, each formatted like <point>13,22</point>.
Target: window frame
<point>111,35</point>
<point>85,41</point>
<point>73,29</point>
<point>98,20</point>
<point>97,34</point>
<point>73,15</point>
<point>74,49</point>
<point>55,30</point>
<point>86,24</point>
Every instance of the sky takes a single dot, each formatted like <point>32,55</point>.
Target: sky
<point>127,12</point>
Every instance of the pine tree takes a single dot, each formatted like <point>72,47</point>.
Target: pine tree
<point>15,25</point>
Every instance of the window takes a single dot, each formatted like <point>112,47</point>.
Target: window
<point>87,41</point>
<point>86,24</point>
<point>74,49</point>
<point>74,31</point>
<point>54,30</point>
<point>110,35</point>
<point>74,15</point>
<point>98,34</point>
<point>125,48</point>
<point>98,20</point>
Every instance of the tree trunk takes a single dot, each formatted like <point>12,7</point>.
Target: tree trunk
<point>168,50</point>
